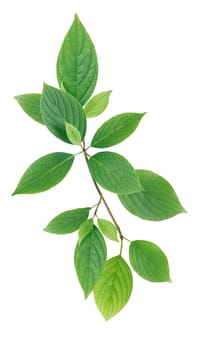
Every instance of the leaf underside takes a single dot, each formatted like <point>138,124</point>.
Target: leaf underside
<point>97,105</point>
<point>114,287</point>
<point>108,229</point>
<point>73,134</point>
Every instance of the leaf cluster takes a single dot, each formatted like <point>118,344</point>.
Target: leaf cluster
<point>65,112</point>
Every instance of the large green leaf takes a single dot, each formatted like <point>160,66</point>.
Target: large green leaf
<point>108,229</point>
<point>77,66</point>
<point>45,173</point>
<point>114,173</point>
<point>116,129</point>
<point>114,287</point>
<point>97,104</point>
<point>58,107</point>
<point>90,258</point>
<point>68,221</point>
<point>157,202</point>
<point>30,104</point>
<point>149,261</point>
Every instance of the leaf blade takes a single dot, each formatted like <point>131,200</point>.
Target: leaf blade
<point>114,173</point>
<point>77,65</point>
<point>68,221</point>
<point>85,229</point>
<point>30,103</point>
<point>149,261</point>
<point>157,202</point>
<point>73,134</point>
<point>58,107</point>
<point>45,173</point>
<point>98,104</point>
<point>116,129</point>
<point>90,257</point>
<point>114,287</point>
<point>108,229</point>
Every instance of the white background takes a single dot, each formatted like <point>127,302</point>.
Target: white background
<point>149,54</point>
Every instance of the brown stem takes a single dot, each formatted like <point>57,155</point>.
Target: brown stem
<point>103,199</point>
<point>97,206</point>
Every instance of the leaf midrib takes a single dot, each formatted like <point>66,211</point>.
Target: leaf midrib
<point>114,130</point>
<point>157,268</point>
<point>57,166</point>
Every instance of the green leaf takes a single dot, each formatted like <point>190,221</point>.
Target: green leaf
<point>58,107</point>
<point>114,173</point>
<point>149,261</point>
<point>97,104</point>
<point>45,173</point>
<point>77,66</point>
<point>116,129</point>
<point>108,229</point>
<point>158,201</point>
<point>85,229</point>
<point>90,258</point>
<point>30,104</point>
<point>68,221</point>
<point>73,134</point>
<point>114,287</point>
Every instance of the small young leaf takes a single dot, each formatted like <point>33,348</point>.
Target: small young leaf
<point>68,221</point>
<point>77,66</point>
<point>116,129</point>
<point>73,134</point>
<point>58,107</point>
<point>90,258</point>
<point>45,173</point>
<point>149,261</point>
<point>97,104</point>
<point>30,104</point>
<point>85,229</point>
<point>114,173</point>
<point>114,287</point>
<point>157,202</point>
<point>108,229</point>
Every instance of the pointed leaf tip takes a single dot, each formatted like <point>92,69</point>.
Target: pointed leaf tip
<point>68,221</point>
<point>45,173</point>
<point>116,129</point>
<point>76,17</point>
<point>30,103</point>
<point>157,202</point>
<point>77,63</point>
